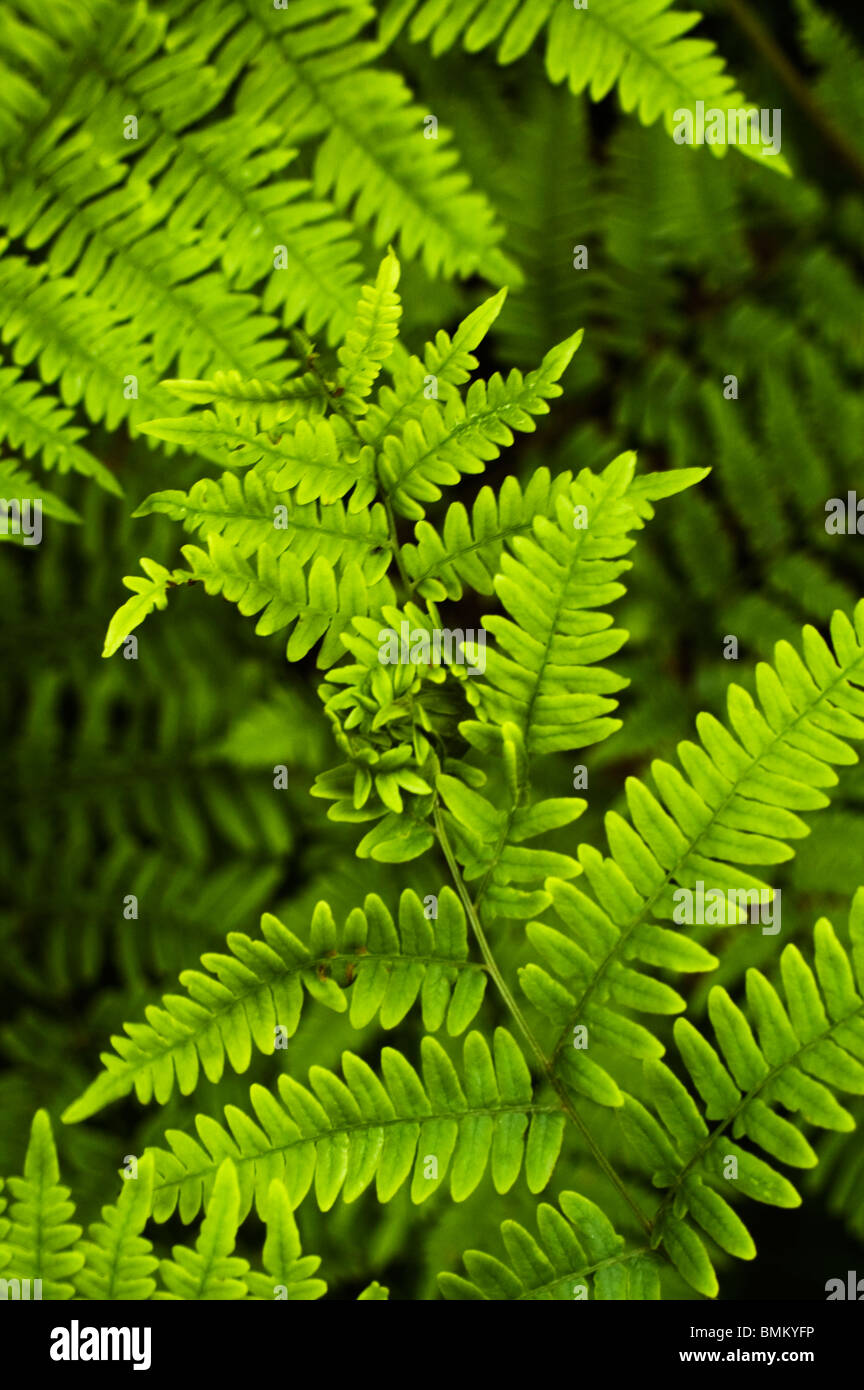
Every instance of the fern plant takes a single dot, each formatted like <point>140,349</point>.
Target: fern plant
<point>454,1013</point>
<point>436,760</point>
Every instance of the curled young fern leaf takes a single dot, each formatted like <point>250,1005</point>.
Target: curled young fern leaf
<point>39,1232</point>
<point>737,805</point>
<point>575,1253</point>
<point>343,1134</point>
<point>810,1044</point>
<point>369,967</point>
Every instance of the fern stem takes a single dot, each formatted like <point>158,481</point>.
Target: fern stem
<point>506,994</point>
<point>394,541</point>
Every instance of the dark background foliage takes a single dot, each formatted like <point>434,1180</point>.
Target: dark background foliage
<point>155,777</point>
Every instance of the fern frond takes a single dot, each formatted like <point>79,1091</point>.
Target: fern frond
<point>575,1253</point>
<point>119,1260</point>
<point>289,1272</point>
<point>490,839</point>
<point>40,1233</point>
<point>210,1271</point>
<point>320,458</point>
<point>17,486</point>
<point>250,512</point>
<point>149,593</point>
<point>810,1044</point>
<point>374,1293</point>
<point>461,437</point>
<point>33,424</point>
<point>256,405</point>
<point>369,967</point>
<point>467,550</point>
<point>736,803</point>
<point>447,363</point>
<point>539,677</point>
<point>370,339</point>
<point>373,158</point>
<point>636,45</point>
<point>344,1134</point>
<point>318,605</point>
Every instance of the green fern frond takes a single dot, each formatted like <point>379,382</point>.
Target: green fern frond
<point>250,512</point>
<point>736,803</point>
<point>33,424</point>
<point>18,487</point>
<point>149,593</point>
<point>373,159</point>
<point>374,1293</point>
<point>490,839</point>
<point>289,1272</point>
<point>370,339</point>
<point>369,967</point>
<point>828,42</point>
<point>320,458</point>
<point>39,1231</point>
<point>467,550</point>
<point>446,364</point>
<point>257,404</point>
<point>539,677</point>
<point>319,604</point>
<point>343,1134</point>
<point>575,1253</point>
<point>637,45</point>
<point>119,1260</point>
<point>444,443</point>
<point>210,1271</point>
<point>809,1044</point>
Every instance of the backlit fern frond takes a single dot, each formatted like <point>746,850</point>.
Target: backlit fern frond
<point>254,997</point>
<point>810,1044</point>
<point>118,1259</point>
<point>575,1252</point>
<point>466,550</point>
<point>373,159</point>
<point>442,444</point>
<point>736,803</point>
<point>638,46</point>
<point>344,1134</point>
<point>539,675</point>
<point>250,512</point>
<point>36,1243</point>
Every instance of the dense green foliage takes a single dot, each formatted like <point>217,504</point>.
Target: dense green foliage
<point>252,290</point>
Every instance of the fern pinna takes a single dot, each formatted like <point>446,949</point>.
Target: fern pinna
<point>440,757</point>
